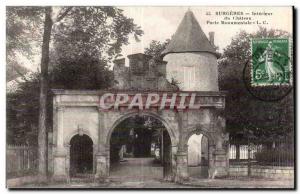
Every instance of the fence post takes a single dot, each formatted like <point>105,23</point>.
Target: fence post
<point>237,154</point>
<point>249,159</point>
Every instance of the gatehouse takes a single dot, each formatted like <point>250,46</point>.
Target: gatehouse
<point>84,121</point>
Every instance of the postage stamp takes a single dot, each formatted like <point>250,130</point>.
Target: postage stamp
<point>271,63</point>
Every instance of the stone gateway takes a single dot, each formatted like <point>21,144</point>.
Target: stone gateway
<point>81,123</point>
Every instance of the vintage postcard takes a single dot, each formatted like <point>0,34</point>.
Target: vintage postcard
<point>112,97</point>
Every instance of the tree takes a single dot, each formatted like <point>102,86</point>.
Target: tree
<point>90,21</point>
<point>85,45</point>
<point>83,73</point>
<point>156,47</point>
<point>244,111</point>
<point>98,32</point>
<point>42,133</point>
<point>22,112</point>
<point>22,30</point>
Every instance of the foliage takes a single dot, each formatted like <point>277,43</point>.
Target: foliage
<point>14,71</point>
<point>84,73</point>
<point>125,134</point>
<point>122,132</point>
<point>83,43</point>
<point>243,111</point>
<point>22,112</point>
<point>275,157</point>
<point>22,27</point>
<point>97,32</point>
<point>156,47</point>
<point>22,33</point>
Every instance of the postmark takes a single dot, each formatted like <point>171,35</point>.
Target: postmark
<point>271,93</point>
<point>270,62</point>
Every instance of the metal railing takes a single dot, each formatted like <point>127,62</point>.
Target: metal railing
<point>21,160</point>
<point>271,152</point>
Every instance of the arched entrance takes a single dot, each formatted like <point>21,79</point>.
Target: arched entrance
<point>198,155</point>
<point>140,149</point>
<point>81,155</point>
<point>83,108</point>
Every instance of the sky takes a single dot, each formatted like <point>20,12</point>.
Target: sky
<point>160,23</point>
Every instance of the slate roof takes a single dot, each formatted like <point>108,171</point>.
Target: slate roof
<point>189,37</point>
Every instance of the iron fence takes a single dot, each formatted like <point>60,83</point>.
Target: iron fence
<point>268,157</point>
<point>21,160</point>
<point>271,152</point>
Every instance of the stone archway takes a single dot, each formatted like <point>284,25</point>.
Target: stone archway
<point>198,155</point>
<point>89,118</point>
<point>211,143</point>
<point>144,113</point>
<point>81,155</point>
<point>218,161</point>
<point>168,136</point>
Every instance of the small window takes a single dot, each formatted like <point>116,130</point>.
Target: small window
<point>189,77</point>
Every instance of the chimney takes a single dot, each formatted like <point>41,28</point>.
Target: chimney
<point>212,38</point>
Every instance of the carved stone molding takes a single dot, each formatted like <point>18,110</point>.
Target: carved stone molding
<point>60,108</point>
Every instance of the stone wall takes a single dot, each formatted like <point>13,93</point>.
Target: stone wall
<point>143,73</point>
<point>121,74</point>
<point>205,70</point>
<point>276,172</point>
<point>77,112</point>
<point>80,118</point>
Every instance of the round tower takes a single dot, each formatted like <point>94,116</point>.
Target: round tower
<point>191,57</point>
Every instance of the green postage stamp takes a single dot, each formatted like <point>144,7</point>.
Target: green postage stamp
<point>271,62</point>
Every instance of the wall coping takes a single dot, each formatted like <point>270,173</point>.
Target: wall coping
<point>101,92</point>
<point>263,167</point>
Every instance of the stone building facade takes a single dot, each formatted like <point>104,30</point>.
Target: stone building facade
<point>77,113</point>
<point>191,57</point>
<point>144,73</point>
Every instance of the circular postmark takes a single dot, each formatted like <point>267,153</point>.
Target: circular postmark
<point>269,93</point>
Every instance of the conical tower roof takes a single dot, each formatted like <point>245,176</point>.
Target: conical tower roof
<point>189,37</point>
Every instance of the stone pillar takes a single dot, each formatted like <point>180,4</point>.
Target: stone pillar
<point>174,152</point>
<point>101,167</point>
<point>95,151</point>
<point>102,155</point>
<point>170,168</point>
<point>102,163</point>
<point>60,164</point>
<point>181,173</point>
<point>181,167</point>
<point>220,167</point>
<point>60,127</point>
<point>68,158</point>
<point>60,155</point>
<point>211,160</point>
